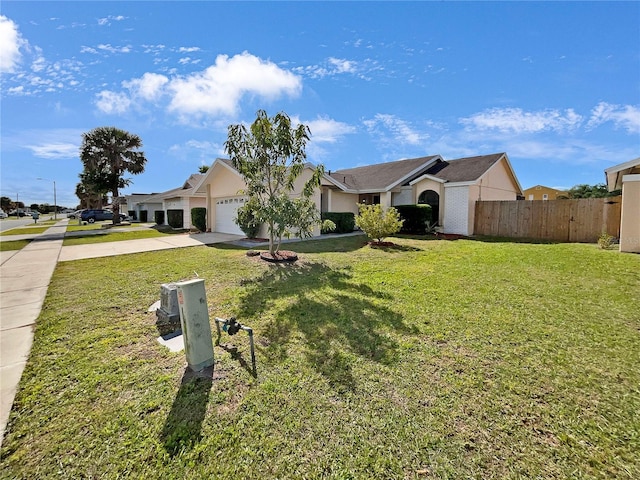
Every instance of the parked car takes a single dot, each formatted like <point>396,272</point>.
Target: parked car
<point>3,214</point>
<point>75,214</point>
<point>92,215</point>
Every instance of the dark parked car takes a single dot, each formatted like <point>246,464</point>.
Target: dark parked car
<point>97,214</point>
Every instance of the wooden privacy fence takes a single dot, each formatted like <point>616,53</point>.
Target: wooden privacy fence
<point>577,220</point>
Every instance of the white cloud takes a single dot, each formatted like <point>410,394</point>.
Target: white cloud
<point>625,116</point>
<point>188,49</point>
<point>148,87</point>
<point>517,121</point>
<point>219,88</point>
<point>394,129</point>
<point>205,151</point>
<point>332,66</point>
<point>10,44</point>
<point>55,143</point>
<point>327,130</point>
<point>54,150</point>
<point>112,103</point>
<point>107,20</point>
<point>111,49</point>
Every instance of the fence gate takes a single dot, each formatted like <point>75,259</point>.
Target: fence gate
<point>576,220</point>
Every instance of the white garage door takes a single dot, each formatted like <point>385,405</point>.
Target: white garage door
<point>226,214</point>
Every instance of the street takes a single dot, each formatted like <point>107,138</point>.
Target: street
<point>13,222</point>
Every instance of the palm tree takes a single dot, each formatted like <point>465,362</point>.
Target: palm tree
<point>107,153</point>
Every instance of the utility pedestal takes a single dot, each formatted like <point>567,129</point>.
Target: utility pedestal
<point>196,330</point>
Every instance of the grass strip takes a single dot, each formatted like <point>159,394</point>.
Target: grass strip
<point>9,245</point>
<point>108,235</point>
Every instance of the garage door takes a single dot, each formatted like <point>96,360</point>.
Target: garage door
<point>226,214</point>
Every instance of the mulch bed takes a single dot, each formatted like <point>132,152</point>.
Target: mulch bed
<point>381,244</point>
<point>280,256</point>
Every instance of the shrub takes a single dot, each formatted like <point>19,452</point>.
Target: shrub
<point>605,241</point>
<point>199,218</point>
<point>416,218</point>
<point>246,219</point>
<point>344,222</point>
<point>378,223</point>
<point>158,216</point>
<point>175,218</point>
<point>143,215</point>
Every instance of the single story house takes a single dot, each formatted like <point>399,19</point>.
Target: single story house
<point>183,198</point>
<point>451,187</point>
<point>626,176</point>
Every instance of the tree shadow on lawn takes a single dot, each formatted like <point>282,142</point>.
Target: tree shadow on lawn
<point>182,429</point>
<point>337,318</point>
<point>347,243</point>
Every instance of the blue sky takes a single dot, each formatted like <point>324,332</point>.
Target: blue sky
<point>555,85</point>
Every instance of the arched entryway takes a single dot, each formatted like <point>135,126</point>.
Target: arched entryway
<point>431,197</point>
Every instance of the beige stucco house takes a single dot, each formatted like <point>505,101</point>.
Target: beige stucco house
<point>451,187</point>
<point>626,176</point>
<point>222,188</point>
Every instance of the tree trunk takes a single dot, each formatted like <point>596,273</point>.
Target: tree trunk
<point>272,249</point>
<point>115,205</point>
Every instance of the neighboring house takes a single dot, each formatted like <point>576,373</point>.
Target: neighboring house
<point>450,187</point>
<point>626,176</point>
<point>183,198</point>
<point>540,192</point>
<point>139,206</point>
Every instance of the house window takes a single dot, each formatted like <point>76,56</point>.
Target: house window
<point>369,199</point>
<point>531,196</point>
<point>545,196</point>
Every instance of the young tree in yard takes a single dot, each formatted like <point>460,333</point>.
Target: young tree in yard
<point>107,153</point>
<point>270,156</point>
<point>378,223</point>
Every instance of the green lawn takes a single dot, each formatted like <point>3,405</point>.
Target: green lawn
<point>110,235</point>
<point>8,245</point>
<point>25,230</point>
<point>434,359</point>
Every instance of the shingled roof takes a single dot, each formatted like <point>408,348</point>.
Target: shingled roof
<point>467,169</point>
<point>382,175</point>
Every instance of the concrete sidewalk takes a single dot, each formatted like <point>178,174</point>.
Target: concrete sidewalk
<point>107,249</point>
<point>24,279</point>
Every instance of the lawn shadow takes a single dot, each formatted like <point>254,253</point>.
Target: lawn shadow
<point>236,355</point>
<point>323,244</point>
<point>337,318</point>
<point>182,429</point>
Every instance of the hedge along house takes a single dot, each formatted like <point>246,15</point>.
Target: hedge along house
<point>626,176</point>
<point>450,187</point>
<point>222,187</point>
<point>176,203</point>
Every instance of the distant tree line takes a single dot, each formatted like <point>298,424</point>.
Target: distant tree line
<point>598,190</point>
